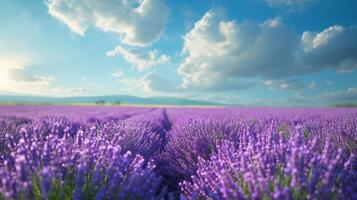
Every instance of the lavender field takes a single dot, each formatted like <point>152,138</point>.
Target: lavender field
<point>87,152</point>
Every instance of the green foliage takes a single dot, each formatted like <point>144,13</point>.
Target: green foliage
<point>89,189</point>
<point>345,105</point>
<point>116,103</point>
<point>210,149</point>
<point>239,179</point>
<point>284,130</point>
<point>299,194</point>
<point>307,134</point>
<point>62,191</point>
<point>284,180</point>
<point>36,188</point>
<point>351,145</point>
<point>100,102</point>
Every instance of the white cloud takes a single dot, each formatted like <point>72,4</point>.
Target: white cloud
<point>134,86</point>
<point>289,84</point>
<point>149,84</point>
<point>349,94</point>
<point>128,85</point>
<point>139,59</point>
<point>139,22</point>
<point>334,47</point>
<point>273,22</point>
<point>16,79</point>
<point>18,74</point>
<point>119,73</point>
<point>312,40</point>
<point>153,82</point>
<point>208,81</point>
<point>222,54</point>
<point>287,3</point>
<point>312,85</point>
<point>329,83</point>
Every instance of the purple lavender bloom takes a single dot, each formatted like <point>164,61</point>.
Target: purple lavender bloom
<point>70,152</point>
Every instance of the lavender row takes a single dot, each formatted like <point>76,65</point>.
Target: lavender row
<point>187,153</point>
<point>56,158</point>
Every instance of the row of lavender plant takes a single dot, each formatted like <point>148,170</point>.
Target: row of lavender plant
<point>271,154</point>
<point>55,158</point>
<point>90,114</point>
<point>152,153</point>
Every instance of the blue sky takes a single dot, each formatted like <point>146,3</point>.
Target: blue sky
<point>253,52</point>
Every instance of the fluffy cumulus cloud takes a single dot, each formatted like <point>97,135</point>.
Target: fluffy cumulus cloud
<point>334,47</point>
<point>139,22</point>
<point>16,79</point>
<point>222,54</point>
<point>139,59</point>
<point>219,50</point>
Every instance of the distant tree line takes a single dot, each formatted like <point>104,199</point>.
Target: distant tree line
<point>345,105</point>
<point>116,103</point>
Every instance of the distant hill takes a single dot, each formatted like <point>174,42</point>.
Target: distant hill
<point>122,99</point>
